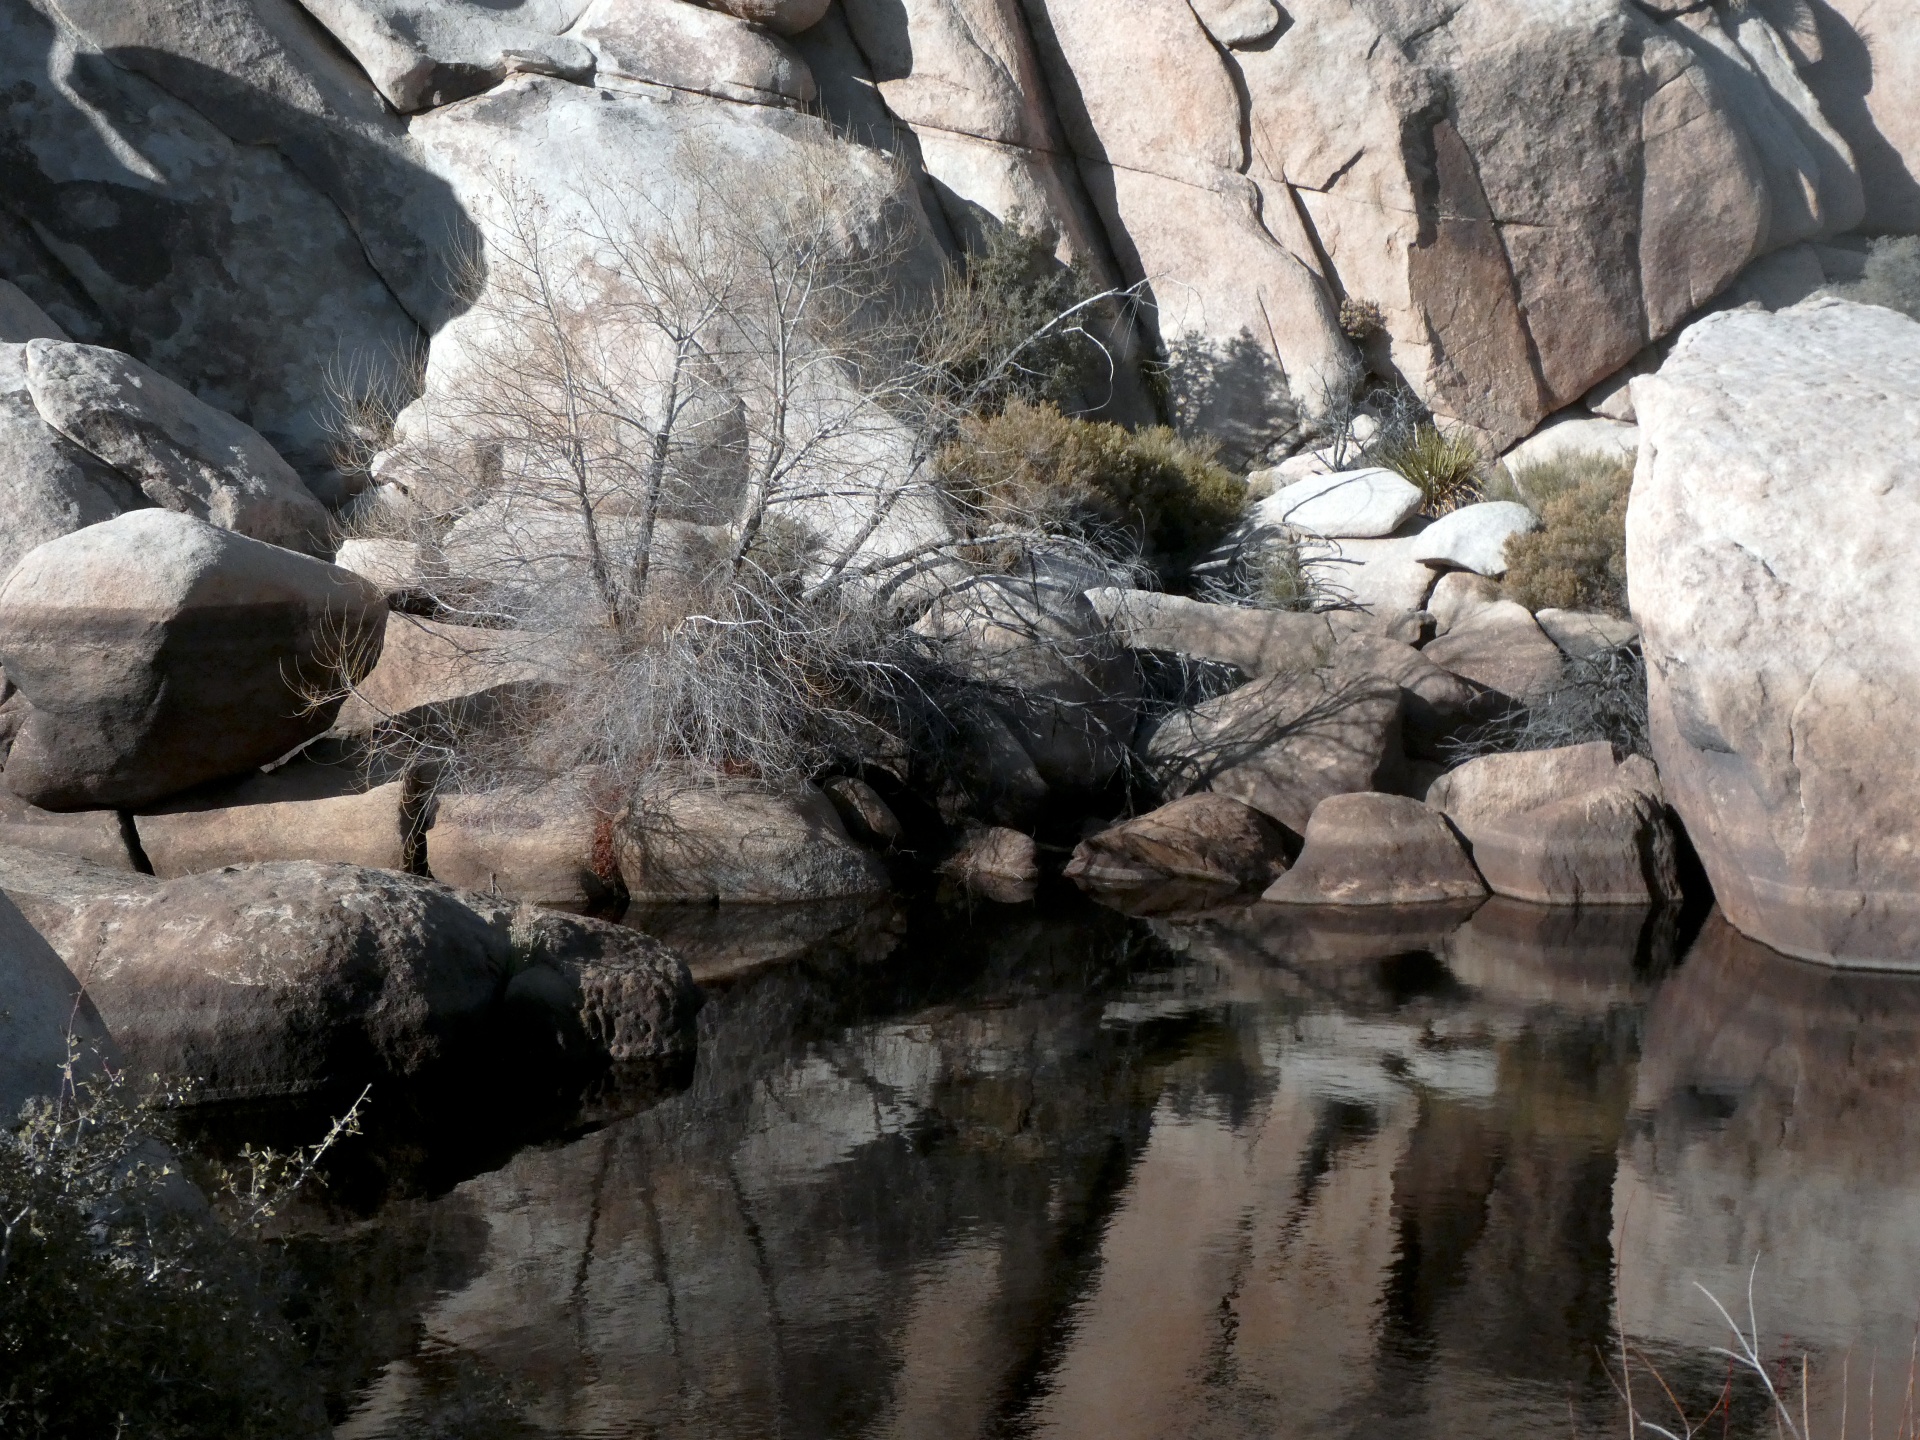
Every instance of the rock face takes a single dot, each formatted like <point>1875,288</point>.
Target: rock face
<point>1564,827</point>
<point>1260,642</point>
<point>668,42</point>
<point>551,845</point>
<point>1213,839</point>
<point>739,843</point>
<point>49,486</point>
<point>1370,849</point>
<point>430,675</point>
<point>1285,743</point>
<point>158,652</point>
<point>284,978</point>
<point>183,454</point>
<point>1768,525</point>
<point>1498,645</point>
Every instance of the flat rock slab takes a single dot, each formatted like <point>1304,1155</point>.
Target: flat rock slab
<point>1475,537</point>
<point>1372,849</point>
<point>1382,577</point>
<point>96,835</point>
<point>1212,839</point>
<point>1259,642</point>
<point>672,43</point>
<point>550,845</point>
<point>740,843</point>
<point>1770,544</point>
<point>158,652</point>
<point>1570,435</point>
<point>1346,504</point>
<point>431,675</point>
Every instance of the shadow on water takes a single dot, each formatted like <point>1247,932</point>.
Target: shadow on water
<point>1051,1170</point>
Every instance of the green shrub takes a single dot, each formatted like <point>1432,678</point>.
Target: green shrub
<point>1577,559</point>
<point>1445,468</point>
<point>1130,492</point>
<point>1005,293</point>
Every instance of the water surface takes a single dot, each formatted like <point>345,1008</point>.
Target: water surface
<point>1044,1170</point>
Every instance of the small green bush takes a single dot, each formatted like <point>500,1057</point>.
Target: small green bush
<point>1577,559</point>
<point>1130,492</point>
<point>1445,468</point>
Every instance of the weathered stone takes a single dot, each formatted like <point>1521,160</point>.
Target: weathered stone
<point>1213,839</point>
<point>1238,22</point>
<point>1582,634</point>
<point>1284,743</point>
<point>740,844</point>
<point>1768,528</point>
<point>1866,75</point>
<point>1372,849</point>
<point>183,454</point>
<point>304,810</point>
<point>423,53</point>
<point>21,320</point>
<point>1380,576</point>
<point>1563,827</point>
<point>158,653</point>
<point>995,862</point>
<point>669,42</point>
<point>1344,504</point>
<point>394,565</point>
<point>96,835</point>
<point>1475,537</point>
<point>47,1023</point>
<point>783,17</point>
<point>1260,642</point>
<point>868,817</point>
<point>278,979</point>
<point>1575,434</point>
<point>551,845</point>
<point>431,675</point>
<point>49,486</point>
<point>1499,646</point>
<point>1435,704</point>
<point>51,888</point>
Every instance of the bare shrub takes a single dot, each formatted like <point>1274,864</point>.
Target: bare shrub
<point>1577,559</point>
<point>1891,276</point>
<point>1598,697</point>
<point>682,452</point>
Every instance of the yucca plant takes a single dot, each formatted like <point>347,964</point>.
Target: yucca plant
<point>1445,468</point>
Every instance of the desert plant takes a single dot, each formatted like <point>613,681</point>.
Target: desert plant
<point>1891,276</point>
<point>1445,468</point>
<point>1126,492</point>
<point>1577,559</point>
<point>128,1305</point>
<point>1360,319</point>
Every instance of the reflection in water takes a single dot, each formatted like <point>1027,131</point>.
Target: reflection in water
<point>1067,1174</point>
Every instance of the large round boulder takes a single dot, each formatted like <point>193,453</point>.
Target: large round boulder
<point>157,652</point>
<point>1770,542</point>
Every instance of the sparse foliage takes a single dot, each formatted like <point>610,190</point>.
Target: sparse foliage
<point>1891,277</point>
<point>1445,468</point>
<point>1360,320</point>
<point>1598,697</point>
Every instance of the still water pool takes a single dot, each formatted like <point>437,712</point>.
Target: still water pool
<point>1045,1170</point>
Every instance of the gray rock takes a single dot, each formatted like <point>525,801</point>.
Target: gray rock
<point>49,486</point>
<point>423,53</point>
<point>1475,537</point>
<point>1574,434</point>
<point>1372,849</point>
<point>47,1018</point>
<point>1381,577</point>
<point>1208,838</point>
<point>51,888</point>
<point>1583,634</point>
<point>995,862</point>
<point>549,845</point>
<point>1767,541</point>
<point>21,320</point>
<point>183,454</point>
<point>1455,595</point>
<point>431,676</point>
<point>1284,743</point>
<point>158,652</point>
<point>1346,504</point>
<point>1238,22</point>
<point>1564,827</point>
<point>99,836</point>
<point>739,843</point>
<point>1260,642</point>
<point>669,42</point>
<point>1498,645</point>
<point>307,809</point>
<point>868,817</point>
<point>395,566</point>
